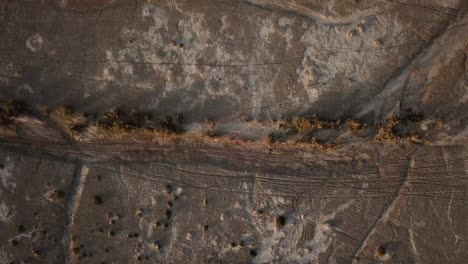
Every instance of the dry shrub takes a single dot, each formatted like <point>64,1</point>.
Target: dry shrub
<point>316,145</point>
<point>386,133</point>
<point>271,139</point>
<point>13,108</point>
<point>122,122</point>
<point>208,128</point>
<point>74,122</point>
<point>435,124</point>
<point>353,125</point>
<point>169,124</point>
<point>307,123</point>
<point>65,111</point>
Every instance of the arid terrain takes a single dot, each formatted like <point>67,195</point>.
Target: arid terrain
<point>233,131</point>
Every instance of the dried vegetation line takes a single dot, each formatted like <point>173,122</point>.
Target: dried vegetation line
<point>122,122</point>
<point>118,123</point>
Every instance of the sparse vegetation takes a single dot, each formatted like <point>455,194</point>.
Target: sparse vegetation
<point>432,124</point>
<point>56,196</point>
<point>139,213</point>
<point>75,123</point>
<point>380,251</point>
<point>354,125</point>
<point>168,189</point>
<point>305,131</point>
<point>208,128</point>
<point>156,245</point>
<point>386,133</point>
<point>280,221</point>
<point>272,138</point>
<point>12,109</point>
<point>168,214</point>
<point>21,228</point>
<point>120,121</point>
<point>97,200</point>
<point>168,124</point>
<point>306,123</point>
<point>302,124</point>
<point>383,252</point>
<point>397,129</point>
<point>78,128</point>
<point>15,108</point>
<point>65,111</point>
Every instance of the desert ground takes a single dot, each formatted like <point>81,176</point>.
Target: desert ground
<point>233,131</point>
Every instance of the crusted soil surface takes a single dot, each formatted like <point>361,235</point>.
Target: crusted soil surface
<point>246,131</point>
